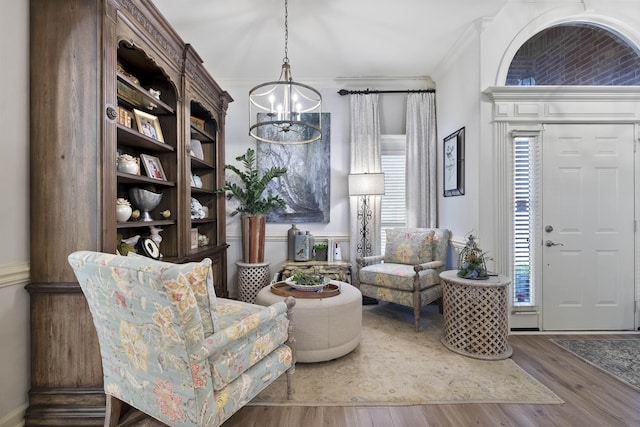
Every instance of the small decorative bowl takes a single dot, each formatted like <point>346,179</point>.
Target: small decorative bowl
<point>306,288</point>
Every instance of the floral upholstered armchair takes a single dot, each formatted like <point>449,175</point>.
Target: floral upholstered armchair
<point>409,271</point>
<point>170,349</point>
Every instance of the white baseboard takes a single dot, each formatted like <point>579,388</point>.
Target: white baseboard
<point>14,418</point>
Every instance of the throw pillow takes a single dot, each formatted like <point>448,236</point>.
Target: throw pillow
<point>408,247</point>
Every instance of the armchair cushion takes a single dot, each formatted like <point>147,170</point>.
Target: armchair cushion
<point>408,247</point>
<point>397,276</point>
<point>245,350</point>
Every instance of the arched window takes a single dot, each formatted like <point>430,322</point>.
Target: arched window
<point>575,54</point>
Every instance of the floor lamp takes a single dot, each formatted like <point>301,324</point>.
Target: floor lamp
<point>364,185</point>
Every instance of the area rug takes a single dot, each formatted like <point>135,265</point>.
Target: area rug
<point>396,366</point>
<point>617,357</point>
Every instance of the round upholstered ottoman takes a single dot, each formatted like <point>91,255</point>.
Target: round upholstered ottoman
<point>325,328</point>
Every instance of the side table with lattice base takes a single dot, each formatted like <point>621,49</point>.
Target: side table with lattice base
<point>476,317</point>
<point>251,278</point>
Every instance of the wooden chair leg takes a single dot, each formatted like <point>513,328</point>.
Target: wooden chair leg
<point>120,414</point>
<point>112,416</point>
<point>291,342</point>
<point>290,389</point>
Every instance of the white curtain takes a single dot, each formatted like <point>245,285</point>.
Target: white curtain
<point>421,171</point>
<point>365,157</point>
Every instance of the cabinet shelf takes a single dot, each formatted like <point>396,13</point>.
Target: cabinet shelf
<point>138,97</point>
<point>203,221</point>
<point>140,224</point>
<point>197,164</point>
<point>132,138</point>
<point>201,135</point>
<point>202,191</point>
<point>127,178</point>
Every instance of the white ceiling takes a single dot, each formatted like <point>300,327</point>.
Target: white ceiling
<point>244,39</point>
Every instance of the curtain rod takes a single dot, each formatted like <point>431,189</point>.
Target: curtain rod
<point>343,92</point>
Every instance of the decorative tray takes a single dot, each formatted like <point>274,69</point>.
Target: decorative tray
<point>284,289</point>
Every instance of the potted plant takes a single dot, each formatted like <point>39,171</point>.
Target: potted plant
<point>320,251</point>
<point>253,204</point>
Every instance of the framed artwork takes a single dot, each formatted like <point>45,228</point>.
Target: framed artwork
<point>148,125</point>
<point>153,167</point>
<point>305,187</point>
<point>453,164</point>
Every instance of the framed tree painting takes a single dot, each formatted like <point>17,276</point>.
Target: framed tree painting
<point>453,164</point>
<point>306,185</point>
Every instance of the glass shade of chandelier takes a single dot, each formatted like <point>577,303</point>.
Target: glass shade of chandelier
<point>285,111</point>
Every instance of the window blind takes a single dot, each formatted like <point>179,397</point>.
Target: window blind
<point>393,163</point>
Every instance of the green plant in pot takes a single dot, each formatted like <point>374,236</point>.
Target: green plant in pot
<point>320,251</point>
<point>253,204</point>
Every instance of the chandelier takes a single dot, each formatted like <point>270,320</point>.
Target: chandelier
<point>284,111</point>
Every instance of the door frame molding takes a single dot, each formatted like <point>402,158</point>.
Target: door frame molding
<point>525,109</point>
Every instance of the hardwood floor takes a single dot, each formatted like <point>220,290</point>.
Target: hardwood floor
<point>592,399</point>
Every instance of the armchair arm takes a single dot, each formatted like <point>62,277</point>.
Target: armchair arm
<point>368,260</point>
<point>428,265</point>
<point>238,330</point>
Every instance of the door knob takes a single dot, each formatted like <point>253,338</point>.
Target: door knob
<point>549,243</point>
<point>548,229</point>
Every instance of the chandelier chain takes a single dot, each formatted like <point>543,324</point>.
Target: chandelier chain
<point>286,32</point>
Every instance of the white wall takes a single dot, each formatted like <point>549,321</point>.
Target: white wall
<point>392,112</point>
<point>14,214</point>
<point>457,100</point>
<point>480,60</point>
<point>237,142</point>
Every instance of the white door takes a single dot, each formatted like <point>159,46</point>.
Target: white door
<point>588,227</point>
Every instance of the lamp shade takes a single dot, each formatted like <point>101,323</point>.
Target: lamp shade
<point>366,184</point>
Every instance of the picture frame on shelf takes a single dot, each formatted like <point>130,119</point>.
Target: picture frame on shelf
<point>195,149</point>
<point>153,167</point>
<point>453,164</point>
<point>197,123</point>
<point>194,238</point>
<point>148,125</point>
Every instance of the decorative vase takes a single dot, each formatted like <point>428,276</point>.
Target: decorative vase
<point>123,213</point>
<point>291,242</point>
<point>127,164</point>
<point>321,254</point>
<point>145,200</point>
<point>253,237</point>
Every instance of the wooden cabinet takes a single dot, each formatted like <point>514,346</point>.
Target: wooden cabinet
<point>93,64</point>
<point>204,123</point>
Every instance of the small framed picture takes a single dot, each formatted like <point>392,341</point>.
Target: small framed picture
<point>153,167</point>
<point>194,238</point>
<point>453,164</point>
<point>148,125</point>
